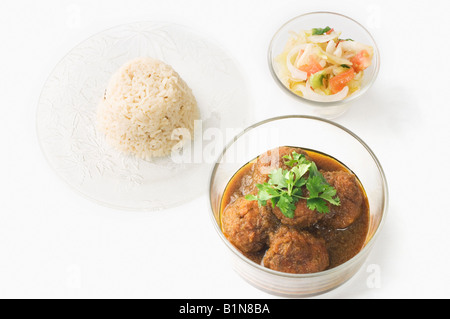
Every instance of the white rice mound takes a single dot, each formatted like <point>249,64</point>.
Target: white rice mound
<point>144,103</point>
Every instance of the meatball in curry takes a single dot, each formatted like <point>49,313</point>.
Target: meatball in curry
<point>247,226</point>
<point>296,211</point>
<point>296,252</point>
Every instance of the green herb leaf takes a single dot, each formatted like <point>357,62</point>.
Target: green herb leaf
<point>315,186</point>
<point>286,187</point>
<point>267,193</point>
<point>319,31</point>
<point>251,197</point>
<point>300,170</point>
<point>330,195</point>
<point>314,172</point>
<point>295,159</point>
<point>300,183</point>
<point>287,205</point>
<point>277,178</point>
<point>318,204</point>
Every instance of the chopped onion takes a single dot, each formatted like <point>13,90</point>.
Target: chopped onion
<point>308,93</point>
<point>328,70</point>
<point>332,58</point>
<point>309,49</point>
<point>331,46</point>
<point>348,55</point>
<point>296,73</point>
<point>323,38</point>
<point>338,51</point>
<point>356,47</point>
<point>337,69</point>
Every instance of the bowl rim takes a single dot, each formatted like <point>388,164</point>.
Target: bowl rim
<point>368,245</point>
<point>352,97</point>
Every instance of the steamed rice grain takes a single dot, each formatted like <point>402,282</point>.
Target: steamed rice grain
<point>146,101</point>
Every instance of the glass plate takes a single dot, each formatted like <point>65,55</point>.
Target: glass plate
<point>78,153</point>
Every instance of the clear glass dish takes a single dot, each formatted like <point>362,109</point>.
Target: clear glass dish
<point>66,115</point>
<point>350,29</point>
<point>311,133</point>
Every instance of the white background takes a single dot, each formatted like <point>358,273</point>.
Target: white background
<point>56,244</point>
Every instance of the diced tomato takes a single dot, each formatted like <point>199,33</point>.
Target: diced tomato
<point>337,83</point>
<point>361,61</point>
<point>312,67</point>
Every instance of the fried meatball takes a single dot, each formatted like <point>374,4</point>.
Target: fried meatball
<point>271,161</point>
<point>246,225</point>
<point>248,185</point>
<point>351,196</point>
<point>303,216</point>
<point>296,252</point>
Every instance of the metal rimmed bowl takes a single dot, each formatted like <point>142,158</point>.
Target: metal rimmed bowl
<point>350,29</point>
<point>309,133</point>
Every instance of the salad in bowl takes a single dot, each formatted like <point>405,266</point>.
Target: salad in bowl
<point>321,66</point>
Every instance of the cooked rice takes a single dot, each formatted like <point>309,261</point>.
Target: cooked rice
<point>146,100</point>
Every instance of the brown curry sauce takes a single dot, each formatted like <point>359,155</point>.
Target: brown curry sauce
<point>342,244</point>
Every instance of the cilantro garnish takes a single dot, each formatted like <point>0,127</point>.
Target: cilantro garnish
<point>286,187</point>
<point>319,31</point>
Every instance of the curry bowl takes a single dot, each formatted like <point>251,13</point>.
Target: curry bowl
<point>351,30</point>
<point>311,133</point>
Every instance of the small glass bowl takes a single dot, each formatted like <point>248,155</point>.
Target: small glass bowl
<point>350,29</point>
<point>310,133</point>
